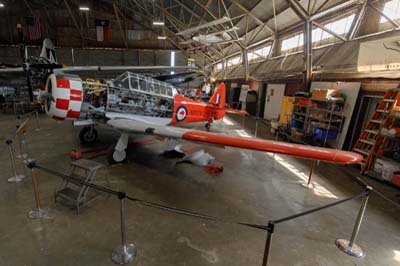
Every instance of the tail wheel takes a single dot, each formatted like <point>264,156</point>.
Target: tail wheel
<point>208,126</point>
<point>115,156</point>
<point>88,135</point>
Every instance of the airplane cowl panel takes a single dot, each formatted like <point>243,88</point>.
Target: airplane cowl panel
<point>65,96</point>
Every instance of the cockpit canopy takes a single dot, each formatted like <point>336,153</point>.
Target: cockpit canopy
<point>141,83</point>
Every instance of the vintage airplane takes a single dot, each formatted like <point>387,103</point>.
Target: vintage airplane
<point>134,103</point>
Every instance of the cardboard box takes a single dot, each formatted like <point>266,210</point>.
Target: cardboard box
<point>322,94</point>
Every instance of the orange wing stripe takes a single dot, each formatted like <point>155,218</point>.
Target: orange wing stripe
<point>323,154</point>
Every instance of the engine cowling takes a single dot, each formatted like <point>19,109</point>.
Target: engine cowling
<point>65,96</point>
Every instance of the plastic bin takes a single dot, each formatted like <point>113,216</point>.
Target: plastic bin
<point>295,123</point>
<point>321,133</point>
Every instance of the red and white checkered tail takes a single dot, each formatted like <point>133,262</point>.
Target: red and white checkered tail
<point>65,96</point>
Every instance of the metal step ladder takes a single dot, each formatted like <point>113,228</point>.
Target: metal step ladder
<point>73,192</point>
<point>367,143</point>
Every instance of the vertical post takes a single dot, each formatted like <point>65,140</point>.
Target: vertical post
<point>37,120</point>
<point>309,183</point>
<point>16,177</point>
<point>123,253</point>
<point>246,64</point>
<point>38,212</point>
<point>255,132</point>
<point>270,232</point>
<point>308,50</point>
<point>349,246</point>
<point>18,124</point>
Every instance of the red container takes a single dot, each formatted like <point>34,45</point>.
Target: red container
<point>303,101</point>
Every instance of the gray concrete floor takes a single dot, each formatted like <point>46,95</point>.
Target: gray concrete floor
<point>253,188</point>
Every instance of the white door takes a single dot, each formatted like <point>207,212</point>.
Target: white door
<point>273,100</point>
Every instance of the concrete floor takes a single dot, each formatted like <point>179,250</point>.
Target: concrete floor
<point>253,188</point>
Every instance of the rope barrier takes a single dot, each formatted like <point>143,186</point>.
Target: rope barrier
<point>32,164</point>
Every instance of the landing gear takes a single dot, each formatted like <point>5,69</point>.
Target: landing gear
<point>88,135</point>
<point>119,154</point>
<point>208,125</point>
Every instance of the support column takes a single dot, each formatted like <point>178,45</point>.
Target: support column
<point>246,64</point>
<point>308,50</point>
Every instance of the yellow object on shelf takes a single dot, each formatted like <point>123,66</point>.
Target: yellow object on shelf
<point>286,109</point>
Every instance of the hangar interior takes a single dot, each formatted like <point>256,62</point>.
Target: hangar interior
<point>200,132</point>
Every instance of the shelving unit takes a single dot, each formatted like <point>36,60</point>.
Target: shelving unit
<point>322,120</point>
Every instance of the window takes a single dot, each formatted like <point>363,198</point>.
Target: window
<point>169,91</point>
<point>156,88</point>
<point>125,83</point>
<point>162,90</point>
<point>259,53</point>
<point>392,10</point>
<point>292,42</point>
<point>134,83</point>
<point>218,66</point>
<point>143,85</point>
<point>340,26</point>
<point>233,61</point>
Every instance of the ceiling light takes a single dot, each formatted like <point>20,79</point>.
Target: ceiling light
<point>158,23</point>
<point>1,5</point>
<point>84,8</point>
<point>162,37</point>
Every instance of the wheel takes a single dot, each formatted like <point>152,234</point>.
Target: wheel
<point>117,156</point>
<point>88,135</point>
<point>208,126</point>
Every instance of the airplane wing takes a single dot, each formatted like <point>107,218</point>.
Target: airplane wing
<point>310,152</point>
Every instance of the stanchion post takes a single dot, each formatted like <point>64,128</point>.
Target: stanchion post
<point>16,177</point>
<point>349,246</point>
<point>270,232</point>
<point>37,120</point>
<point>38,212</point>
<point>123,253</point>
<point>309,183</point>
<point>255,131</point>
<point>21,154</point>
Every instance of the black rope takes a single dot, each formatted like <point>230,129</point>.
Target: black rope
<point>32,164</point>
<point>297,215</point>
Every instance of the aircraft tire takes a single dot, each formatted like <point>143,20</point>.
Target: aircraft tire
<point>115,156</point>
<point>88,135</point>
<point>208,126</point>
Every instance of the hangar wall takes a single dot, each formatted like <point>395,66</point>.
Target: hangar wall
<point>332,61</point>
<point>98,56</point>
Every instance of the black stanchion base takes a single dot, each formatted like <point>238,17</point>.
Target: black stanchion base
<point>354,251</point>
<point>306,185</point>
<point>124,254</point>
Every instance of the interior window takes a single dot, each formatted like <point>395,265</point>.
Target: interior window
<point>169,91</point>
<point>150,87</point>
<point>156,88</point>
<point>134,84</point>
<point>143,86</point>
<point>162,89</point>
<point>125,83</point>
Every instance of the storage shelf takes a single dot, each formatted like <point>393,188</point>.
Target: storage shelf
<point>336,113</point>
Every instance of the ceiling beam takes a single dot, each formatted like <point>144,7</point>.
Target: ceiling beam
<point>299,10</point>
<point>394,23</point>
<point>254,17</point>
<point>322,27</point>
